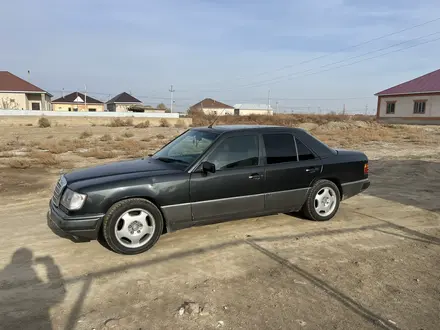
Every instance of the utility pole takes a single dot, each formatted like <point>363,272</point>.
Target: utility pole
<point>343,110</point>
<point>277,106</point>
<point>85,97</point>
<point>171,90</point>
<point>366,109</point>
<point>268,101</point>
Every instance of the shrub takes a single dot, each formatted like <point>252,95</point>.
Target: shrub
<point>20,163</point>
<point>49,137</point>
<point>118,122</point>
<point>128,134</point>
<point>119,138</point>
<point>44,158</point>
<point>144,124</point>
<point>180,124</point>
<point>85,135</point>
<point>43,122</point>
<point>160,136</point>
<point>29,124</point>
<point>106,137</point>
<point>98,153</point>
<point>164,123</point>
<point>146,139</point>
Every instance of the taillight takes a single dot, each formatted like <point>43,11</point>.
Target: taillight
<point>366,169</point>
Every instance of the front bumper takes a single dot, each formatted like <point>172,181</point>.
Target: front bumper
<point>76,228</point>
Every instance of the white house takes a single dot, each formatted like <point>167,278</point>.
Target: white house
<point>252,109</point>
<point>18,94</point>
<point>213,107</point>
<point>416,101</point>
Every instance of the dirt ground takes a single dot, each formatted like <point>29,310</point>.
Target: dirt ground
<point>374,266</point>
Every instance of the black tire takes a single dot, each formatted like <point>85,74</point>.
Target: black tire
<point>117,210</point>
<point>309,206</point>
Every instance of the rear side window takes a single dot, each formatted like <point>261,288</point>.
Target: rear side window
<point>304,153</point>
<point>280,148</point>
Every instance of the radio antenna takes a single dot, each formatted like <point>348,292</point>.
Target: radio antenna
<point>216,117</point>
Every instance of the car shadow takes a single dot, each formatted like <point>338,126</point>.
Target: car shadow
<point>25,299</point>
<point>409,182</point>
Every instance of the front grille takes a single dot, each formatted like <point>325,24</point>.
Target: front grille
<point>58,191</point>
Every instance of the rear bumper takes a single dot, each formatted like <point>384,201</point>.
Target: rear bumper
<point>76,228</point>
<point>351,189</point>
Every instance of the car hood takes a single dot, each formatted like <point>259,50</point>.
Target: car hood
<point>119,168</point>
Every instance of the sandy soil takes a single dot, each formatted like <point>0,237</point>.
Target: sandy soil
<point>374,266</point>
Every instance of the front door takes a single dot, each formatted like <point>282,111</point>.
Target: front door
<point>235,190</point>
<point>290,169</point>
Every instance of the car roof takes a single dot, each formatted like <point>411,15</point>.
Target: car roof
<point>231,128</point>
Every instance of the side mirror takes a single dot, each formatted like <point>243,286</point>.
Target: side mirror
<point>208,167</point>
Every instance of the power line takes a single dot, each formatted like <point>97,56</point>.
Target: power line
<point>277,79</point>
<point>338,51</point>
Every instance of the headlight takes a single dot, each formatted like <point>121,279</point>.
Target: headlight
<point>72,200</point>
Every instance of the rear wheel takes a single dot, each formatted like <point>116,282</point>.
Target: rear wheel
<point>322,201</point>
<point>132,226</point>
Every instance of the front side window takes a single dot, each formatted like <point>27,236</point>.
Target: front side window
<point>280,148</point>
<point>391,107</point>
<point>187,147</point>
<point>235,152</point>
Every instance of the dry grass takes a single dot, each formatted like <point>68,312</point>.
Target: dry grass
<point>127,134</point>
<point>85,134</point>
<point>19,163</point>
<point>180,124</point>
<point>200,119</point>
<point>98,153</point>
<point>54,147</point>
<point>146,139</point>
<point>164,123</point>
<point>144,124</point>
<point>29,124</point>
<point>43,122</point>
<point>44,158</point>
<point>7,154</point>
<point>119,122</point>
<point>160,136</point>
<point>49,137</point>
<point>106,137</point>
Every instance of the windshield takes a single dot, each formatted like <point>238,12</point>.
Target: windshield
<point>186,148</point>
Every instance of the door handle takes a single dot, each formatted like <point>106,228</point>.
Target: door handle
<point>312,169</point>
<point>255,176</point>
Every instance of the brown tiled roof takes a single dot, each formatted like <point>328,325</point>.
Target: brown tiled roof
<point>427,83</point>
<point>70,98</point>
<point>124,98</point>
<point>12,83</point>
<point>211,104</point>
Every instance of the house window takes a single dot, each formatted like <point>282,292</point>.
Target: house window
<point>35,105</point>
<point>70,109</point>
<point>419,107</point>
<point>92,110</point>
<point>391,107</point>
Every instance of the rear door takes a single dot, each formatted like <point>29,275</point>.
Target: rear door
<point>235,190</point>
<point>290,168</point>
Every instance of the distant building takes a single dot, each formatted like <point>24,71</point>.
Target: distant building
<point>121,102</point>
<point>416,101</point>
<point>213,107</point>
<point>77,101</point>
<point>18,94</point>
<point>252,109</point>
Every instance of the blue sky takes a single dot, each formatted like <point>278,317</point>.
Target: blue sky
<point>233,51</point>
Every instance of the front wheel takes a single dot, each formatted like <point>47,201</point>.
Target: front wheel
<point>322,201</point>
<point>132,226</point>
